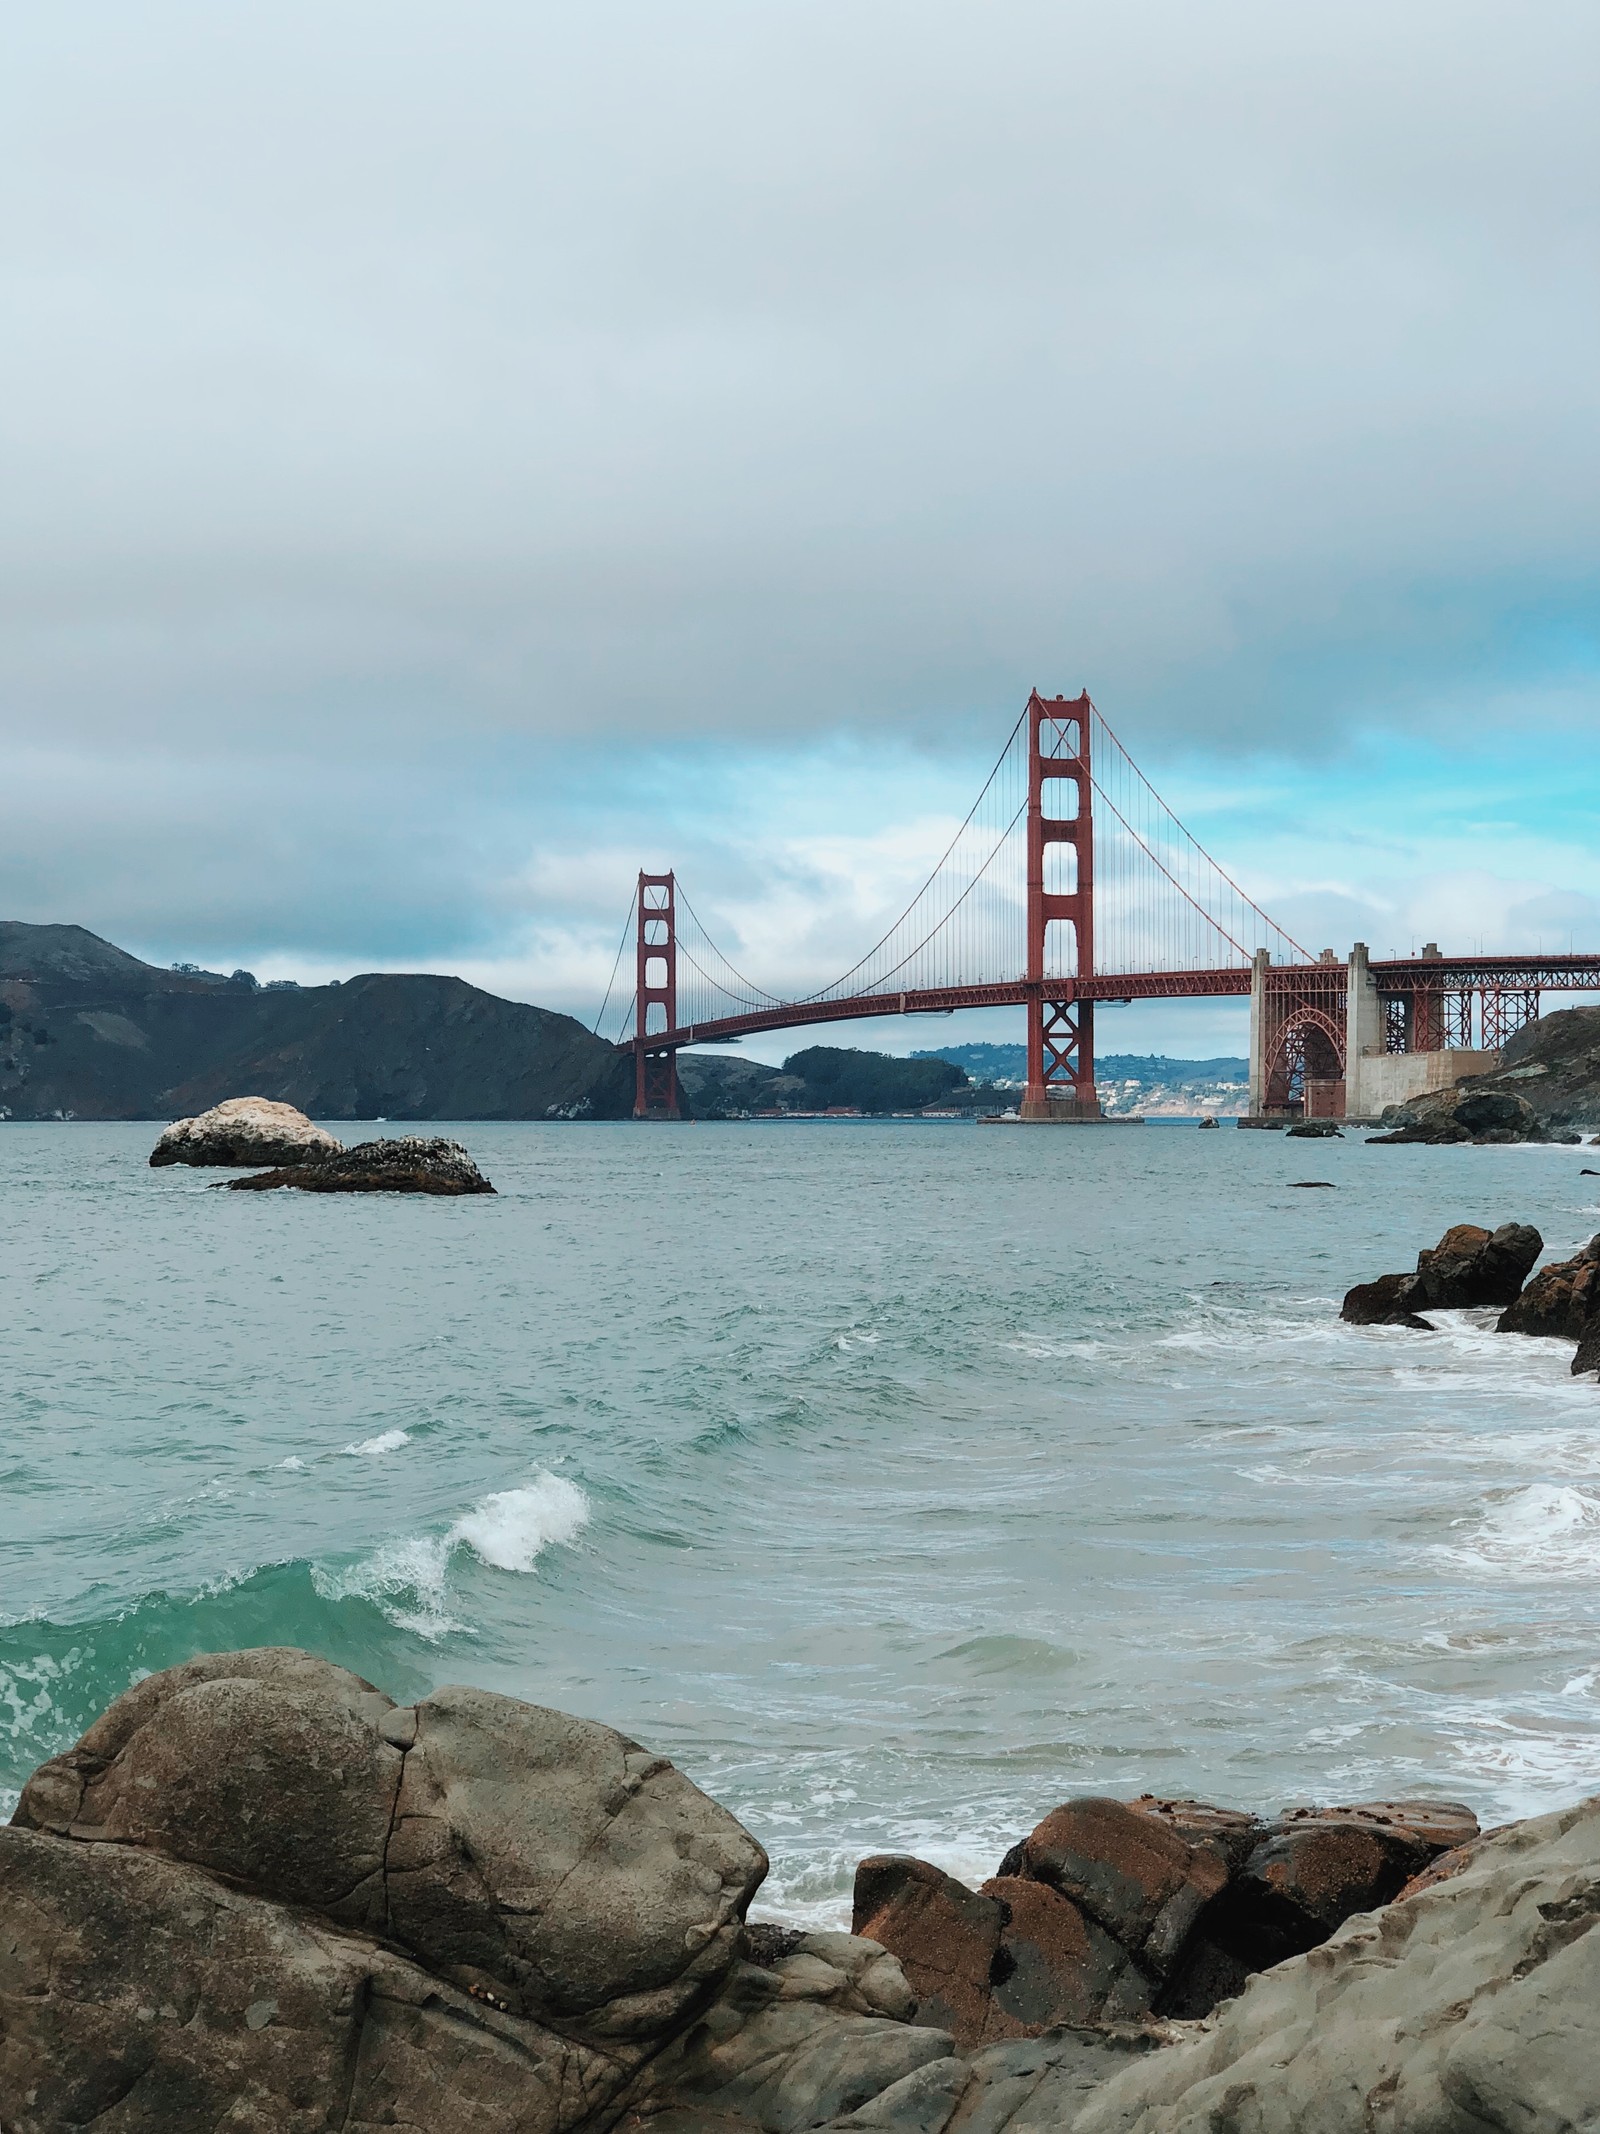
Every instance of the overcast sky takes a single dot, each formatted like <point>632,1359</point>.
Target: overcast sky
<point>453,457</point>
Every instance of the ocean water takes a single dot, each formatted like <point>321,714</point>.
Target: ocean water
<point>895,1480</point>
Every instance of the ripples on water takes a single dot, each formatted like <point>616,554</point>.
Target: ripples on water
<point>894,1479</point>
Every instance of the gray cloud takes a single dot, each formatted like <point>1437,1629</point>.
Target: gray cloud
<point>559,369</point>
<point>402,413</point>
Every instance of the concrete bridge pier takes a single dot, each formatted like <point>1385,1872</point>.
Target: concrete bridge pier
<point>1348,1049</point>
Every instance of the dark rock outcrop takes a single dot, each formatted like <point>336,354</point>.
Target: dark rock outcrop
<point>89,1032</point>
<point>1389,1301</point>
<point>1468,1266</point>
<point>244,1131</point>
<point>1469,1112</point>
<point>411,1164</point>
<point>1110,1911</point>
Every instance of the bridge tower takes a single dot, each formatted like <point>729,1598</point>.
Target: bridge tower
<point>1060,1082</point>
<point>655,1067</point>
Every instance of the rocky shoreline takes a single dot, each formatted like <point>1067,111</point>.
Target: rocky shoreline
<point>1470,1267</point>
<point>259,1895</point>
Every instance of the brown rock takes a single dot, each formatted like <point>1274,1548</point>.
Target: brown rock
<point>947,1939</point>
<point>1132,1874</point>
<point>1389,1301</point>
<point>1561,1300</point>
<point>1317,1867</point>
<point>1471,1266</point>
<point>1228,1832</point>
<point>1055,1965</point>
<point>1006,1961</point>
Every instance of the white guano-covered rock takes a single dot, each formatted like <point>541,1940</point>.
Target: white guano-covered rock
<point>243,1132</point>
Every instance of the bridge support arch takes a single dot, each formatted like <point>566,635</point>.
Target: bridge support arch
<point>1060,1067</point>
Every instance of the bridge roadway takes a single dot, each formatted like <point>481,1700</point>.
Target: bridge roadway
<point>1447,974</point>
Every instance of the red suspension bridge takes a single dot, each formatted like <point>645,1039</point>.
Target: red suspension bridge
<point>1071,882</point>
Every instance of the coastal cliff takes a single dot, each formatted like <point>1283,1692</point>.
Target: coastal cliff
<point>89,1032</point>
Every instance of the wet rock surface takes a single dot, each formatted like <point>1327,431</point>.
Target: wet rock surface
<point>244,1131</point>
<point>1469,1266</point>
<point>411,1164</point>
<point>1562,1300</point>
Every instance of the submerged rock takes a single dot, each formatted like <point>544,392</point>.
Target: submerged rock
<point>242,1132</point>
<point>411,1164</point>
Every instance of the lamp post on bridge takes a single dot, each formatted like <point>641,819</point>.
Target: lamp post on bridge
<point>1060,1080</point>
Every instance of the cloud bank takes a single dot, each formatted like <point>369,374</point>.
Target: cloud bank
<point>431,441</point>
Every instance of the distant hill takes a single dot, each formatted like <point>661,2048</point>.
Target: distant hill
<point>1008,1063</point>
<point>820,1078</point>
<point>90,1032</point>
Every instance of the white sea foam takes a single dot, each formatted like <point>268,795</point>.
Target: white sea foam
<point>385,1441</point>
<point>408,1578</point>
<point>510,1529</point>
<point>292,1463</point>
<point>1547,1530</point>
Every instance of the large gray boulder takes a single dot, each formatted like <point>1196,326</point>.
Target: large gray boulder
<point>142,1995</point>
<point>545,1869</point>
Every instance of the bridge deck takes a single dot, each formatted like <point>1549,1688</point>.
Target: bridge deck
<point>1574,973</point>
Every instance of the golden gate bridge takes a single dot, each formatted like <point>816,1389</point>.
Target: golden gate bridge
<point>1072,883</point>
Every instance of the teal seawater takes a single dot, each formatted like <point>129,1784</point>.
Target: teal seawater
<point>896,1480</point>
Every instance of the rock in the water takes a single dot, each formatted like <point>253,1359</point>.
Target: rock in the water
<point>1468,1266</point>
<point>1562,1299</point>
<point>1467,2008</point>
<point>1391,1300</point>
<point>411,1164</point>
<point>1313,1130</point>
<point>1207,1124</point>
<point>242,1132</point>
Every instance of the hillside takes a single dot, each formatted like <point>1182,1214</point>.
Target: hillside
<point>820,1078</point>
<point>89,1032</point>
<point>1554,1064</point>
